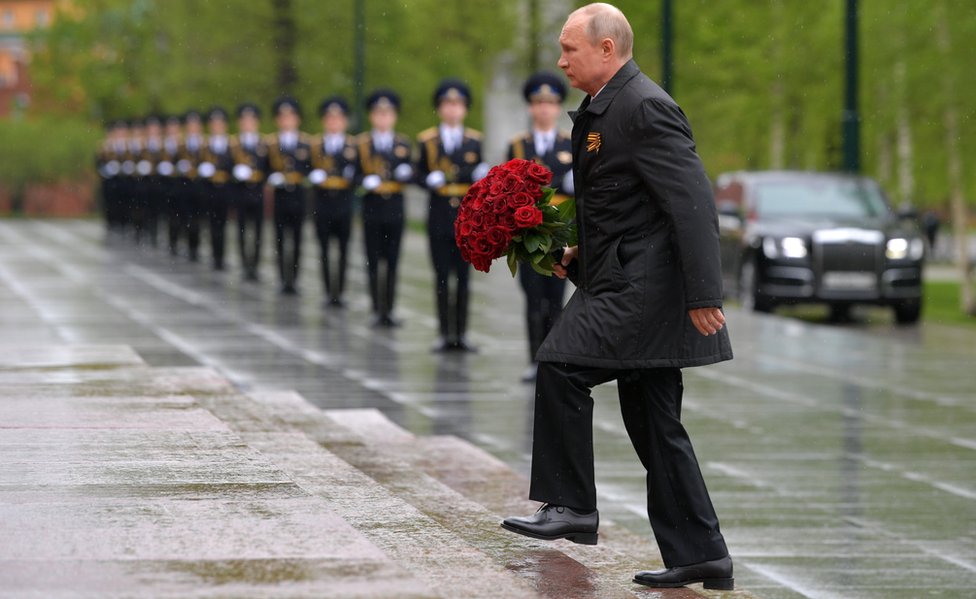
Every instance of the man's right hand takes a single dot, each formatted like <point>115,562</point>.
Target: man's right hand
<point>559,269</point>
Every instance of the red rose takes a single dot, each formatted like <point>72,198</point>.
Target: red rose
<point>516,165</point>
<point>520,199</point>
<point>528,217</point>
<point>538,173</point>
<point>499,238</point>
<point>507,221</point>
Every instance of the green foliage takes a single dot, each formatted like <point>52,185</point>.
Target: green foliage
<point>761,81</point>
<point>45,150</point>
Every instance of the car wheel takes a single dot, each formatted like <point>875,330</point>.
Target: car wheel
<point>749,295</point>
<point>840,312</point>
<point>908,311</point>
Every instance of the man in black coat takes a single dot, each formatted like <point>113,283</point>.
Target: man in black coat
<point>648,303</point>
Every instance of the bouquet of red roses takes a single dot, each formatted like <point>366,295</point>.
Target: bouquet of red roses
<point>510,213</point>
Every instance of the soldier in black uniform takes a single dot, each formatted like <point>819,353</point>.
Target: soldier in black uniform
<point>190,193</point>
<point>108,162</point>
<point>250,156</point>
<point>385,167</point>
<point>289,162</point>
<point>135,188</point>
<point>545,144</point>
<point>147,167</point>
<point>450,161</point>
<point>170,181</point>
<point>334,168</point>
<point>216,164</point>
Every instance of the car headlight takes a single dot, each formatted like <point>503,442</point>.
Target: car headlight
<point>787,247</point>
<point>899,248</point>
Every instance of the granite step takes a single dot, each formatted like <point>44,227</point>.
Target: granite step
<point>115,481</point>
<point>393,457</point>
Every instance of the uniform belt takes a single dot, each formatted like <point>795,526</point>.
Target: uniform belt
<point>220,177</point>
<point>388,187</point>
<point>335,183</point>
<point>294,178</point>
<point>453,189</point>
<point>557,199</point>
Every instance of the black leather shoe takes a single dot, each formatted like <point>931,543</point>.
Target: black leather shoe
<point>440,346</point>
<point>715,574</point>
<point>462,345</point>
<point>553,522</point>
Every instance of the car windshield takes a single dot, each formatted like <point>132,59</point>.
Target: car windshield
<point>833,198</point>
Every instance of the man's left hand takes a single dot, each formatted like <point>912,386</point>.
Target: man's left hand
<point>708,321</point>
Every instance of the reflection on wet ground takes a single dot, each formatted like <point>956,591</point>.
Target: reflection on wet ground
<point>841,460</point>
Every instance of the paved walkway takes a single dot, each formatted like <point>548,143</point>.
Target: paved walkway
<point>840,459</point>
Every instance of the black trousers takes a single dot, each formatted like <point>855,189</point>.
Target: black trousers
<point>289,219</point>
<point>543,304</point>
<point>333,221</point>
<point>187,208</point>
<point>678,505</point>
<point>450,270</point>
<point>383,220</point>
<point>250,224</point>
<point>155,200</point>
<point>218,205</point>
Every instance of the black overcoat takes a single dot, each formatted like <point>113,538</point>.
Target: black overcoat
<point>648,236</point>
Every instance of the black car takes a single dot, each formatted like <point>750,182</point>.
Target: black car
<point>797,237</point>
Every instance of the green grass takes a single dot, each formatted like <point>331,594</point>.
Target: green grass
<point>942,304</point>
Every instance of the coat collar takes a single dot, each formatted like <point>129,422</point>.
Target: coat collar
<point>606,96</point>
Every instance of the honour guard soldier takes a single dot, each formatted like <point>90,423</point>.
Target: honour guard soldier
<point>289,160</point>
<point>385,167</point>
<point>135,200</point>
<point>215,174</point>
<point>450,161</point>
<point>171,183</point>
<point>334,167</point>
<point>147,167</point>
<point>108,162</point>
<point>250,165</point>
<point>189,196</point>
<point>545,144</point>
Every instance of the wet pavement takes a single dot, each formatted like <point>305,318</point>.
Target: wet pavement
<point>842,462</point>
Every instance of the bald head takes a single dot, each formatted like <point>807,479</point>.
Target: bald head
<point>596,41</point>
<point>606,21</point>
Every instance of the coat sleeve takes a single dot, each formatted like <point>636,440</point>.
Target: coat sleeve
<point>665,158</point>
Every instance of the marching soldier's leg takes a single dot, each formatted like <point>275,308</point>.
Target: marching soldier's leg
<point>463,270</point>
<point>373,240</point>
<point>394,237</point>
<point>441,273</point>
<point>320,216</point>
<point>343,231</point>
<point>257,214</point>
<point>218,226</point>
<point>298,225</point>
<point>280,223</point>
<point>197,199</point>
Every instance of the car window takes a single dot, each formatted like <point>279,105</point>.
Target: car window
<point>837,198</point>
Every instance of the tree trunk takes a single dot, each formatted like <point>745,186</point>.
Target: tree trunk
<point>956,199</point>
<point>904,144</point>
<point>285,34</point>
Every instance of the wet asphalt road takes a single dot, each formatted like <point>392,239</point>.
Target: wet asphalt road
<point>842,460</point>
